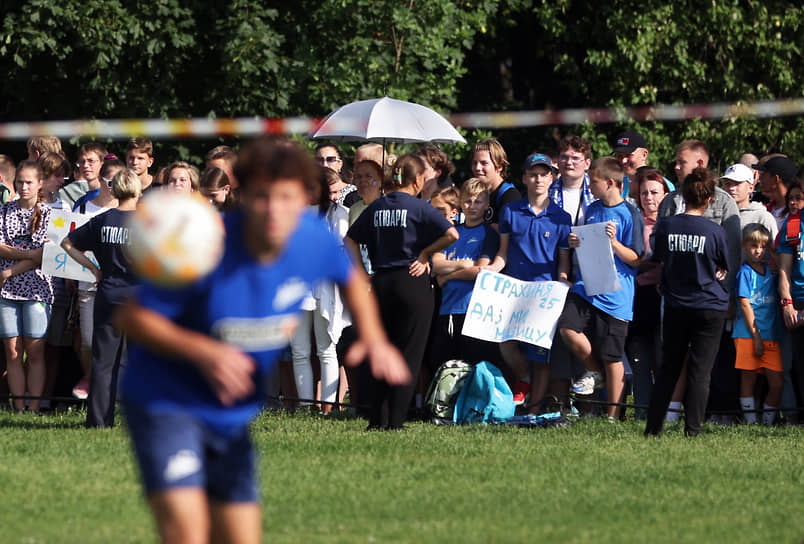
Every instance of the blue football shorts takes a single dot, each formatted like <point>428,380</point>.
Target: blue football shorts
<point>178,450</point>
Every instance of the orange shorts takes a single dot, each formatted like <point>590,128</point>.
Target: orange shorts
<point>771,359</point>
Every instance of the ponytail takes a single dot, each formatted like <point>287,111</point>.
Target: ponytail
<point>404,172</point>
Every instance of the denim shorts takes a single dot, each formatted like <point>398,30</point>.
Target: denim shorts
<point>177,450</point>
<point>27,318</point>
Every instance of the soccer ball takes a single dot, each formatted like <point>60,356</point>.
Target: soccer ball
<point>174,238</point>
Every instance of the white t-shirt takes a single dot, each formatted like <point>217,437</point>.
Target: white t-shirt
<point>572,204</point>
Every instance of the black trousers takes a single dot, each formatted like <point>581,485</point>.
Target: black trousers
<point>406,309</point>
<point>700,330</point>
<point>108,352</point>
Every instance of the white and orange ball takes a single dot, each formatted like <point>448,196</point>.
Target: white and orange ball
<point>174,238</point>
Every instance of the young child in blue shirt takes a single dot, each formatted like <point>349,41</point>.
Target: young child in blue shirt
<point>455,269</point>
<point>756,331</point>
<point>533,247</point>
<point>595,327</point>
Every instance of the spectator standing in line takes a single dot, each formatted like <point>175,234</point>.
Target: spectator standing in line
<point>223,157</point>
<point>438,170</point>
<point>456,268</point>
<point>106,235</point>
<point>140,157</point>
<point>7,173</point>
<point>570,191</point>
<point>26,294</point>
<point>790,251</point>
<point>102,201</point>
<point>631,150</point>
<point>738,181</point>
<point>330,155</point>
<point>490,165</point>
<point>722,210</point>
<point>39,145</point>
<point>534,246</point>
<point>595,327</point>
<point>182,177</point>
<point>643,345</point>
<point>402,233</point>
<point>756,331</point>
<point>776,175</point>
<point>694,256</point>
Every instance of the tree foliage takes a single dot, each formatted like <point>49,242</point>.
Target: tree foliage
<point>180,58</point>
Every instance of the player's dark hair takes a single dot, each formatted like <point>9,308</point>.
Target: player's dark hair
<point>271,158</point>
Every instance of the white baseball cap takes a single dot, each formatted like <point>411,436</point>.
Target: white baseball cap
<point>739,172</point>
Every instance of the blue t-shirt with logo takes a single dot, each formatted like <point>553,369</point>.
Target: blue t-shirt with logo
<point>760,289</point>
<point>474,243</point>
<point>534,240</point>
<point>796,249</point>
<point>630,233</point>
<point>251,305</point>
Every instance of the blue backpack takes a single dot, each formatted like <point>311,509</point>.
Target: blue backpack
<point>485,397</point>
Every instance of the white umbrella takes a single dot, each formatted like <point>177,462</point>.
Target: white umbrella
<point>387,120</point>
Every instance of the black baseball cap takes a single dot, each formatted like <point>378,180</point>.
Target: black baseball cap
<point>628,141</point>
<point>780,166</point>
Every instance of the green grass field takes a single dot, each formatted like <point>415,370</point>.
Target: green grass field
<point>326,480</point>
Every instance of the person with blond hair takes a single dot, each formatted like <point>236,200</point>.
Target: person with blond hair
<point>106,235</point>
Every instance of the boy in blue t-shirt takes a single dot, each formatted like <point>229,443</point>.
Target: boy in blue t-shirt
<point>756,331</point>
<point>595,327</point>
<point>533,247</point>
<point>199,355</point>
<point>455,269</point>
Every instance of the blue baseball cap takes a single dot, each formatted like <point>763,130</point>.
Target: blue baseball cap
<point>535,159</point>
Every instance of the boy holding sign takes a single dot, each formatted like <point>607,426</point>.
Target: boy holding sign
<point>595,327</point>
<point>533,247</point>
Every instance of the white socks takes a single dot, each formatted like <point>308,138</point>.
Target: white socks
<point>748,406</point>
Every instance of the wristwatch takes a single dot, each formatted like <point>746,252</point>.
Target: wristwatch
<point>786,302</point>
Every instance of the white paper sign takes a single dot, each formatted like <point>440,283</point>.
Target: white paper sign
<point>596,260</point>
<point>55,260</point>
<point>504,308</point>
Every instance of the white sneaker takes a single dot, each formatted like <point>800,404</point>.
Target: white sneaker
<point>586,384</point>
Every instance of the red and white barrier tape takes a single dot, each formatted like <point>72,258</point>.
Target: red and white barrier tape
<point>252,126</point>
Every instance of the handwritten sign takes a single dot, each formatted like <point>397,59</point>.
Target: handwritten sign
<point>596,260</point>
<point>504,308</point>
<point>55,260</point>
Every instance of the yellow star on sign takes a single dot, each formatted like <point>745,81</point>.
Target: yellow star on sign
<point>58,222</point>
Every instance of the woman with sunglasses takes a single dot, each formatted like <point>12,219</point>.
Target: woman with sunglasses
<point>330,156</point>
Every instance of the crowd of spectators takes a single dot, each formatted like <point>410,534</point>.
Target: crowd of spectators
<point>706,321</point>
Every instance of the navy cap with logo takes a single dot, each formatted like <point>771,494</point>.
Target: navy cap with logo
<point>535,159</point>
<point>628,141</point>
<point>780,166</point>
